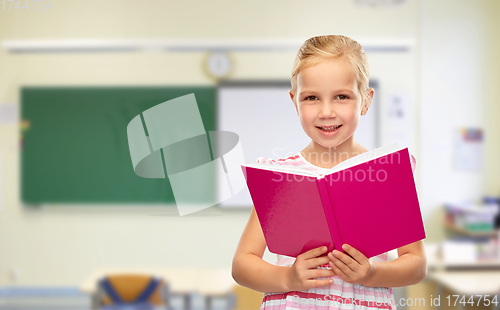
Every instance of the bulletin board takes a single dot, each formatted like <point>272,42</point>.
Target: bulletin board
<point>74,146</point>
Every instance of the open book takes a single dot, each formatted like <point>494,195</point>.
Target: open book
<point>368,201</point>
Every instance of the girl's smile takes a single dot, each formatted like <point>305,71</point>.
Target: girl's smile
<point>329,131</point>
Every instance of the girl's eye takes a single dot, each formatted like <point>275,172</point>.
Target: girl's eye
<point>342,97</point>
<point>307,98</point>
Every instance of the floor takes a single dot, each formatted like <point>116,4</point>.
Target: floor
<point>71,299</point>
<point>68,298</point>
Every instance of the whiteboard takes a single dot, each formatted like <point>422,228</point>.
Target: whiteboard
<point>262,114</point>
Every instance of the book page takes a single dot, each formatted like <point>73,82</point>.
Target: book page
<point>282,168</point>
<point>353,161</point>
<point>367,156</point>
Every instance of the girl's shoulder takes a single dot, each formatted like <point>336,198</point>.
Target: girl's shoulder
<point>413,162</point>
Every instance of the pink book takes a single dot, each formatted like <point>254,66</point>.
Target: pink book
<point>368,201</point>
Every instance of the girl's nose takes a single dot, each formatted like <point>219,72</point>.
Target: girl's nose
<point>327,110</point>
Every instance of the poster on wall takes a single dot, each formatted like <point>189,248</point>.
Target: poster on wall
<point>399,118</point>
<point>468,149</point>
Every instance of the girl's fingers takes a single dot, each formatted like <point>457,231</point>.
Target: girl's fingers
<point>322,273</point>
<point>344,259</point>
<point>313,253</point>
<point>313,272</point>
<point>347,270</point>
<point>339,272</point>
<point>317,261</point>
<point>308,262</point>
<point>357,255</point>
<point>318,283</point>
<point>351,266</point>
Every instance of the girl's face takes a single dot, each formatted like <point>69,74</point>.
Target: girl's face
<point>328,96</point>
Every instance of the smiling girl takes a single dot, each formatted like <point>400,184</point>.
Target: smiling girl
<point>330,93</point>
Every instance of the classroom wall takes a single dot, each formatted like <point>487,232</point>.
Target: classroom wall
<point>459,43</point>
<point>61,245</point>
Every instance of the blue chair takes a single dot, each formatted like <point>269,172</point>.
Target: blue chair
<point>132,292</point>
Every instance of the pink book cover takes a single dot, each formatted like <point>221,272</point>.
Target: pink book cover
<point>372,206</point>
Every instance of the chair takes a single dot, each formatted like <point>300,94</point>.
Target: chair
<point>132,292</point>
<point>246,298</point>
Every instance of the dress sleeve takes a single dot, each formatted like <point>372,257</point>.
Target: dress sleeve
<point>413,163</point>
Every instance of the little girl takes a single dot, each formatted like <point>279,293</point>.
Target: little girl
<point>330,92</point>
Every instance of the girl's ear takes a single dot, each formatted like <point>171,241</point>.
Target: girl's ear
<point>367,101</point>
<point>292,97</point>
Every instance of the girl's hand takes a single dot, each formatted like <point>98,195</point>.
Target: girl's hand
<point>356,268</point>
<point>302,274</point>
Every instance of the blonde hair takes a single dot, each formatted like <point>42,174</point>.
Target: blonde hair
<point>317,49</point>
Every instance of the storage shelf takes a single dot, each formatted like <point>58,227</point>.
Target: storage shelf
<point>463,231</point>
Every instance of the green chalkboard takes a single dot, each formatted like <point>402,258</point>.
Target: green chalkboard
<point>74,146</point>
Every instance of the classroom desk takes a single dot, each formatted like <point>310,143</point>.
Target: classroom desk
<point>467,283</point>
<point>463,279</point>
<point>480,278</point>
<point>210,283</point>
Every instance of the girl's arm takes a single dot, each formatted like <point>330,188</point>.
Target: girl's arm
<point>250,270</point>
<point>408,269</point>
